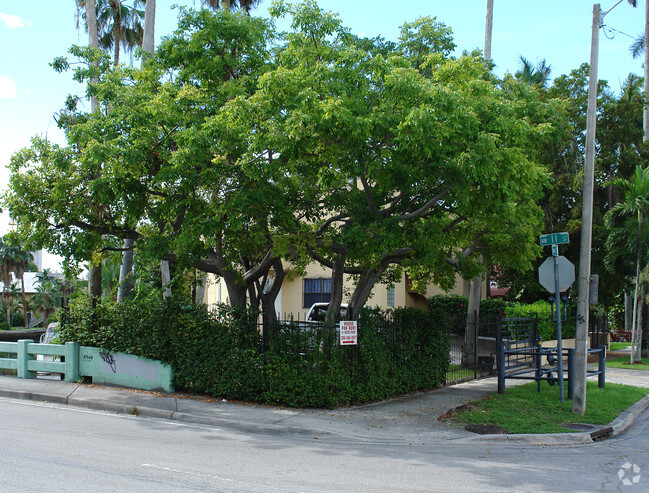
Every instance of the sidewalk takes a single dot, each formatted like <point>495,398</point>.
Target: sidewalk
<point>409,419</point>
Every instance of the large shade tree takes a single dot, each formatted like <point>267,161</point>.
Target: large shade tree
<point>370,157</point>
<point>414,160</point>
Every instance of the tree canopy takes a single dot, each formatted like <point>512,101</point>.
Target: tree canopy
<point>236,148</point>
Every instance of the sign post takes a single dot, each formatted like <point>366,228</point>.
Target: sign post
<point>556,275</point>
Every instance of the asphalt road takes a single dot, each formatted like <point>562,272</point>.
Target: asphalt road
<point>58,448</point>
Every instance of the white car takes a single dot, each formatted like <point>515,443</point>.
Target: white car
<point>318,311</point>
<point>50,334</point>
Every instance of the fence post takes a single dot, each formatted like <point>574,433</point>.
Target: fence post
<point>571,372</point>
<point>72,362</point>
<point>601,379</point>
<point>501,369</point>
<point>23,358</point>
<point>476,326</point>
<point>539,359</point>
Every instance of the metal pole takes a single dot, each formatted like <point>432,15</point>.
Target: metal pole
<point>501,369</point>
<point>601,366</point>
<point>475,346</point>
<point>579,398</point>
<point>557,294</point>
<point>571,373</point>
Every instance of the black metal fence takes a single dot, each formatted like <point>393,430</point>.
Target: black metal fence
<point>472,351</point>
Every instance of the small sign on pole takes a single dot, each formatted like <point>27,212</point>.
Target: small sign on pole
<point>554,239</point>
<point>348,332</point>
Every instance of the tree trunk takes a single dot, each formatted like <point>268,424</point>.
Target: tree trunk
<point>126,271</point>
<point>117,29</point>
<point>94,276</point>
<point>166,279</point>
<point>628,311</point>
<point>8,305</point>
<point>645,138</point>
<point>24,296</point>
<point>336,298</point>
<point>645,325</point>
<point>269,296</point>
<point>636,294</point>
<point>226,5</point>
<point>200,289</point>
<point>472,321</point>
<point>236,290</point>
<point>91,20</point>
<point>366,283</point>
<point>641,306</point>
<point>94,282</point>
<point>148,42</point>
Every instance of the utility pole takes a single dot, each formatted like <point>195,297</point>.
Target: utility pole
<point>581,332</point>
<point>489,22</point>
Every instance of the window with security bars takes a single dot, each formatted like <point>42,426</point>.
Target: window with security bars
<point>316,291</point>
<point>391,297</point>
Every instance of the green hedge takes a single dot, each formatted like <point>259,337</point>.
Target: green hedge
<point>223,355</point>
<point>450,312</point>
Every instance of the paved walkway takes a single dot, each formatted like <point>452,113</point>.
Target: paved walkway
<point>411,419</point>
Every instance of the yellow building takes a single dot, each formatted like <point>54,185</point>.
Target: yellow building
<point>297,295</point>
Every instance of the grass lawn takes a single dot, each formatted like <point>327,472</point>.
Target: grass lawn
<point>625,362</point>
<point>522,410</point>
<point>616,346</point>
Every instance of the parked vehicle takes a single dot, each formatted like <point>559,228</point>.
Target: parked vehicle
<point>318,311</point>
<point>50,334</point>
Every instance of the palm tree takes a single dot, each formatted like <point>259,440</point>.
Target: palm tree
<point>245,5</point>
<point>7,260</point>
<point>22,261</point>
<point>635,205</point>
<point>47,295</point>
<point>126,271</point>
<point>535,76</point>
<point>637,48</point>
<point>118,25</point>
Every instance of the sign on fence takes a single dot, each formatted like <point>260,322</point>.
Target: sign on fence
<point>348,332</point>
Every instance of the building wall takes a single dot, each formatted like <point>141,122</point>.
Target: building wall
<point>290,301</point>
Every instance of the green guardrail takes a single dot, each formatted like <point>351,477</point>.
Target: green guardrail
<point>75,361</point>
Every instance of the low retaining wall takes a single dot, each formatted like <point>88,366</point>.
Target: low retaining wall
<point>75,361</point>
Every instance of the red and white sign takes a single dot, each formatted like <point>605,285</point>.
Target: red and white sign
<point>348,332</point>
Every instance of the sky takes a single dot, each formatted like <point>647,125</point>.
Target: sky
<point>34,32</point>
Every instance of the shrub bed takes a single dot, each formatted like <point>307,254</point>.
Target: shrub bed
<point>450,312</point>
<point>223,354</point>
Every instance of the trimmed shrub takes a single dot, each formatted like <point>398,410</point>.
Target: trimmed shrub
<point>223,355</point>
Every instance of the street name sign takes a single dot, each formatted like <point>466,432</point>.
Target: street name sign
<point>554,239</point>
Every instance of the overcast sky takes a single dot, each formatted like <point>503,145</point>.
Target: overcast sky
<point>34,32</point>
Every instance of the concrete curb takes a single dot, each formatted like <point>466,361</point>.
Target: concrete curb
<point>614,428</point>
<point>33,396</point>
<point>168,409</point>
<point>626,418</point>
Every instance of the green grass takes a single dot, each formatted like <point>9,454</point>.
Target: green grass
<point>625,362</point>
<point>522,410</point>
<point>616,346</point>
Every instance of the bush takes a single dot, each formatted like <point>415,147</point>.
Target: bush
<point>223,355</point>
